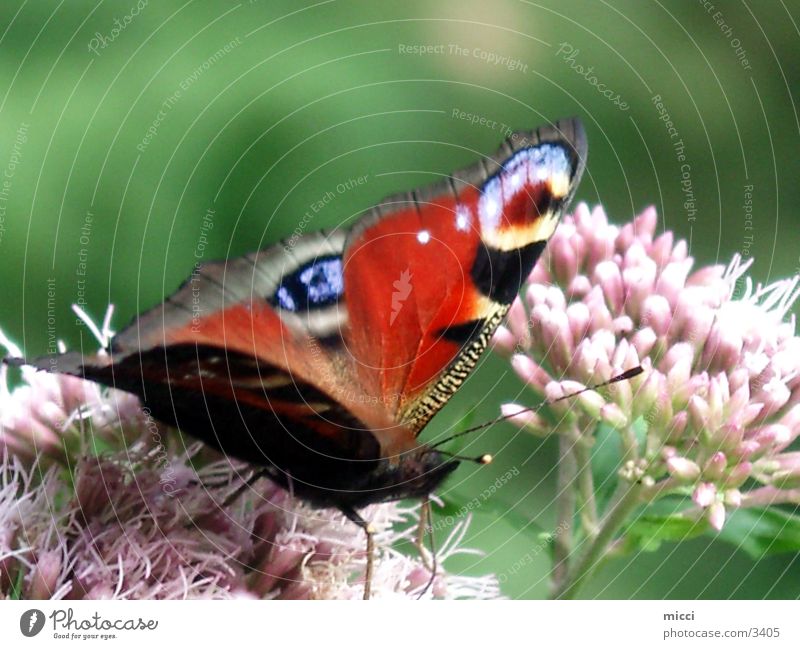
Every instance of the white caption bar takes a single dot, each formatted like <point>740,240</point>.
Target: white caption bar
<point>387,624</point>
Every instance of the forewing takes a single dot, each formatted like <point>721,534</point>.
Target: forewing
<point>430,274</point>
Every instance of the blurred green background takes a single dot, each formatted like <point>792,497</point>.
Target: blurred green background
<point>117,137</point>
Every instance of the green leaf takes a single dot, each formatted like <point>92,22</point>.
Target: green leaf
<point>663,520</point>
<point>762,532</point>
<point>16,586</point>
<point>99,446</point>
<point>640,431</point>
<point>649,531</point>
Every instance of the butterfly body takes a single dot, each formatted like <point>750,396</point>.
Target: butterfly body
<point>321,359</point>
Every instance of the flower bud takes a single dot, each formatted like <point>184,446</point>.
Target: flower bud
<point>676,429</point>
<point>503,341</point>
<point>591,402</point>
<point>623,325</point>
<point>715,466</point>
<point>704,494</point>
<point>565,260</point>
<point>683,468</point>
<point>732,497</point>
<point>661,250</point>
<point>602,321</point>
<point>786,470</point>
<point>522,416</point>
<point>774,395</point>
<point>638,277</point>
<point>698,414</point>
<point>517,320</point>
<point>657,314</point>
<point>613,415</point>
<point>738,474</point>
<point>646,395</point>
<point>607,275</point>
<point>645,223</point>
<point>530,371</point>
<point>672,280</point>
<point>716,515</point>
<point>579,319</point>
<point>579,287</point>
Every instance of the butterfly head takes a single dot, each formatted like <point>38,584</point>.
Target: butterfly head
<point>413,474</point>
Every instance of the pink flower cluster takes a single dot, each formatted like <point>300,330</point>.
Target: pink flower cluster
<point>720,395</point>
<point>121,535</point>
<point>49,414</point>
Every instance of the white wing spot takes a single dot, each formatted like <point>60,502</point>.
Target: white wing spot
<point>462,218</point>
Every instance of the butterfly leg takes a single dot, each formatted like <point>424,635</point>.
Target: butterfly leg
<point>234,496</point>
<point>354,516</point>
<point>428,556</point>
<point>422,530</point>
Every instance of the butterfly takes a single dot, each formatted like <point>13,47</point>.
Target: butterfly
<point>323,357</point>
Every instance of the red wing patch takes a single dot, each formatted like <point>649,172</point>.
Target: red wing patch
<point>428,275</point>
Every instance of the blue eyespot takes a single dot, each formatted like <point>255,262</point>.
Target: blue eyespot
<point>526,168</point>
<point>315,285</point>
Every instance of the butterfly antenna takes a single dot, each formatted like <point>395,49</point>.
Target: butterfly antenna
<point>626,375</point>
<point>486,458</point>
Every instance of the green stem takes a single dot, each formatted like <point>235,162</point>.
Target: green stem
<point>565,509</point>
<point>660,489</point>
<point>630,445</point>
<point>585,481</point>
<point>626,501</point>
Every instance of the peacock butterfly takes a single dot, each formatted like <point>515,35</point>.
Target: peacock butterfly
<point>322,358</point>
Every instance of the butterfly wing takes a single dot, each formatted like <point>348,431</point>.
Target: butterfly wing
<point>341,346</point>
<point>429,274</point>
<point>244,357</point>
